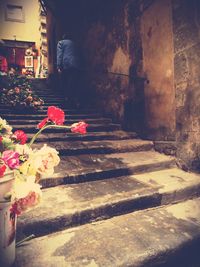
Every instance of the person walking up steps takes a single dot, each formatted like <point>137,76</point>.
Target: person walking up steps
<point>68,68</point>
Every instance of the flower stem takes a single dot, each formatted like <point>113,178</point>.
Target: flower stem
<point>45,127</point>
<point>24,240</point>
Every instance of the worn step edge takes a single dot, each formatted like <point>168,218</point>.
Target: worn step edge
<point>68,112</point>
<point>36,121</point>
<point>159,237</point>
<point>86,176</point>
<point>90,128</point>
<point>45,108</point>
<point>100,147</point>
<point>41,116</point>
<point>105,210</point>
<point>114,135</point>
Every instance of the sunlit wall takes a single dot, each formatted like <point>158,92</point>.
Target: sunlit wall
<point>20,19</point>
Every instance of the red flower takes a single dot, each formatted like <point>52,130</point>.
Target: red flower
<point>15,209</point>
<point>42,123</point>
<point>2,170</point>
<point>79,127</point>
<point>56,115</point>
<point>20,136</point>
<point>1,139</point>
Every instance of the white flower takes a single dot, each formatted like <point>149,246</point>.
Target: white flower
<point>4,127</point>
<point>45,160</point>
<point>23,149</point>
<point>41,161</point>
<point>23,187</point>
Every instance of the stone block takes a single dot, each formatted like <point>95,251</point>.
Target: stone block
<point>181,70</point>
<point>185,37</point>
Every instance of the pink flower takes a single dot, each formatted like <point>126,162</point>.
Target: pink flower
<point>11,159</point>
<point>79,127</point>
<point>17,90</point>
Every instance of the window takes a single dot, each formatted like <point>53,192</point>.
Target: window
<point>15,13</point>
<point>28,61</point>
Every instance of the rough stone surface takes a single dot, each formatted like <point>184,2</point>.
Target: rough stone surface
<point>81,168</point>
<point>67,120</point>
<point>186,30</point>
<point>8,110</point>
<point>166,147</point>
<point>158,64</point>
<point>91,128</point>
<point>114,135</point>
<point>97,147</point>
<point>145,238</point>
<point>81,203</point>
<point>42,116</point>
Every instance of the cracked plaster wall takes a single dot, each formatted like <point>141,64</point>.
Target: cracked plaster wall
<point>157,43</point>
<point>186,27</point>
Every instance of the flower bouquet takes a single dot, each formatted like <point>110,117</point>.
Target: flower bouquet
<point>16,91</point>
<point>20,169</point>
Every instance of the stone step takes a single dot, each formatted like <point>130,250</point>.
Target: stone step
<point>52,102</point>
<point>35,121</point>
<point>82,203</point>
<point>52,99</point>
<point>42,116</point>
<point>46,104</point>
<point>99,147</point>
<point>82,168</point>
<point>114,135</point>
<point>9,110</point>
<point>90,128</point>
<point>163,236</point>
<point>43,108</point>
<point>59,104</point>
<point>44,94</point>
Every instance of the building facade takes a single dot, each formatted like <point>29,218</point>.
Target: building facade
<point>21,31</point>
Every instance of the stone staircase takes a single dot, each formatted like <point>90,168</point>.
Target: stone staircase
<point>113,200</point>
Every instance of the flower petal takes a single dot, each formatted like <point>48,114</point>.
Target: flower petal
<point>42,123</point>
<point>56,115</point>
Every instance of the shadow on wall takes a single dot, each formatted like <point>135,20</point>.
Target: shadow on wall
<point>134,107</point>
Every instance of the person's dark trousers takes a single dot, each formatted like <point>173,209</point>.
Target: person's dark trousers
<point>69,83</point>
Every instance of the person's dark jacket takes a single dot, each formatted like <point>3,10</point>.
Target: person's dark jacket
<point>67,55</point>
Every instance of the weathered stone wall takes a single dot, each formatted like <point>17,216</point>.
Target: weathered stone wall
<point>117,58</point>
<point>53,35</point>
<point>186,27</point>
<point>158,63</point>
<point>109,59</point>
